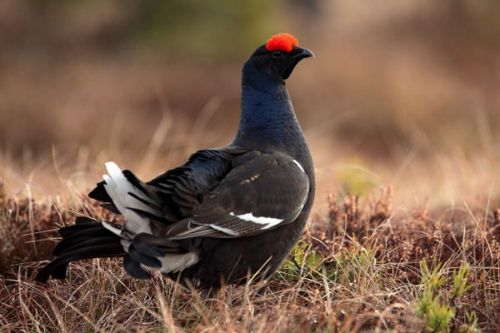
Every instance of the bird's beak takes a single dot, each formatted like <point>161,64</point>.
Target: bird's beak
<point>303,53</point>
<point>297,55</point>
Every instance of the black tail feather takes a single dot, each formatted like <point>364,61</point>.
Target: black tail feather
<point>134,269</point>
<point>137,183</point>
<point>87,239</point>
<point>57,268</point>
<point>69,245</point>
<point>93,228</point>
<point>143,258</point>
<point>99,193</point>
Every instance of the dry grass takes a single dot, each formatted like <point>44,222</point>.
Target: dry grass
<point>359,268</point>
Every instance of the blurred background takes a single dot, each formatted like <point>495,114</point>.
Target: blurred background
<point>401,93</point>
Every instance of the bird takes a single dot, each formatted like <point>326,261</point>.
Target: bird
<point>226,214</point>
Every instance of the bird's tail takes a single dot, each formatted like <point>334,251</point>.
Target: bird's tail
<point>86,239</point>
<point>122,192</point>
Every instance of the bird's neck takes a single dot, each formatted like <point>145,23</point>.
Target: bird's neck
<point>267,116</point>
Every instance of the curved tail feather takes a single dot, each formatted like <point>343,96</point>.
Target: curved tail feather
<point>87,239</point>
<point>122,192</point>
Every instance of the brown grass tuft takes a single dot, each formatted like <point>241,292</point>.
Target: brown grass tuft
<point>359,268</point>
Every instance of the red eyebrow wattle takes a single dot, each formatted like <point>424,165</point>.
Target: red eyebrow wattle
<point>282,42</point>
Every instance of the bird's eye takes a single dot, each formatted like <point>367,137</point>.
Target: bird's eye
<point>277,55</point>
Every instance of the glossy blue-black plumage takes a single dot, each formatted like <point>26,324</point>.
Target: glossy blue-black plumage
<point>194,208</point>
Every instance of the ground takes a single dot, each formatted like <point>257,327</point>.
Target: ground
<point>360,267</point>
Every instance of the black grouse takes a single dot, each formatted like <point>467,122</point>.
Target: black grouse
<point>226,213</point>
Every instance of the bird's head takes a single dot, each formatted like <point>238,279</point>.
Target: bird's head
<point>279,56</point>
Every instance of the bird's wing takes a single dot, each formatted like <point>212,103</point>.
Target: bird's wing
<point>169,197</point>
<point>182,189</point>
<point>261,192</point>
<point>224,193</point>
